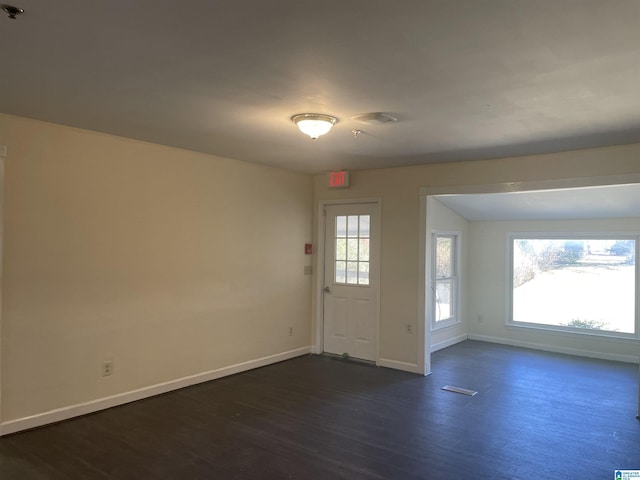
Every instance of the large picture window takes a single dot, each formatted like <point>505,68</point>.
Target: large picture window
<point>575,283</point>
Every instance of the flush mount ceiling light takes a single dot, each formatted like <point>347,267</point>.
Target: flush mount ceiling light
<point>314,124</point>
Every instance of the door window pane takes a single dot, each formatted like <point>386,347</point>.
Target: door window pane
<point>341,249</point>
<point>352,229</point>
<point>363,253</point>
<point>352,249</point>
<point>352,272</point>
<point>341,226</point>
<point>363,273</point>
<point>365,221</point>
<point>341,272</point>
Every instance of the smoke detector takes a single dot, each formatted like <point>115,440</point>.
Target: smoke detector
<point>375,118</point>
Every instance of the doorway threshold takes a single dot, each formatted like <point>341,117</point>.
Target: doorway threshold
<point>349,359</point>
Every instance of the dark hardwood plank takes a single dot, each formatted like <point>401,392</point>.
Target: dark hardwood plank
<point>537,416</point>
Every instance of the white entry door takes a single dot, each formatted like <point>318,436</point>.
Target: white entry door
<point>352,246</point>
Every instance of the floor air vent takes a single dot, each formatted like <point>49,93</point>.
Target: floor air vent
<point>463,391</point>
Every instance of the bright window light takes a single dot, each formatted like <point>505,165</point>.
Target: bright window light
<point>575,283</point>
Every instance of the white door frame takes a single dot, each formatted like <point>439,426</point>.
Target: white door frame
<point>2,195</point>
<point>318,331</point>
<point>424,265</point>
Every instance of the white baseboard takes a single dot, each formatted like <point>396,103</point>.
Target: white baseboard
<point>447,343</point>
<point>405,366</point>
<point>92,406</point>
<point>555,349</point>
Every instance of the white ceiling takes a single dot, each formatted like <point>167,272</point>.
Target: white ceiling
<point>613,201</point>
<point>467,79</point>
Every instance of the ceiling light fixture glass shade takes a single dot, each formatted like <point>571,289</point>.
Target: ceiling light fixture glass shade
<point>314,124</point>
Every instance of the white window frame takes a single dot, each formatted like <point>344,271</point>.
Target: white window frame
<point>346,260</point>
<point>454,319</point>
<point>510,322</point>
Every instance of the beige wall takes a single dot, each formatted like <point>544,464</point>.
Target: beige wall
<point>399,190</point>
<point>169,262</point>
<point>173,263</point>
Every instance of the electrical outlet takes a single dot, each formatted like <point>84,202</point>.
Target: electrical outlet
<point>409,328</point>
<point>291,331</point>
<point>107,368</point>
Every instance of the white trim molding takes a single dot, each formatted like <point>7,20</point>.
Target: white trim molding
<point>404,366</point>
<point>532,185</point>
<point>555,349</point>
<point>71,411</point>
<point>448,342</point>
<point>3,155</point>
<point>424,265</point>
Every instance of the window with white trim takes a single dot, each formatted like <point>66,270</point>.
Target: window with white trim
<point>574,283</point>
<point>445,279</point>
<point>352,249</point>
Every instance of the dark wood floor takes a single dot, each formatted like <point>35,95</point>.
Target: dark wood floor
<point>537,416</point>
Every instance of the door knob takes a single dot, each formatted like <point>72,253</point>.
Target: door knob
<point>327,290</point>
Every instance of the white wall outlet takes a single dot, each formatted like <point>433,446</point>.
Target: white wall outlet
<point>107,368</point>
<point>409,328</point>
<point>291,331</point>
